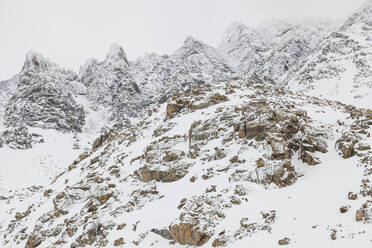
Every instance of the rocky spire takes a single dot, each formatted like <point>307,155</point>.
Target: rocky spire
<point>116,54</point>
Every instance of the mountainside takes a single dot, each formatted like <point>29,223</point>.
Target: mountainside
<point>264,141</point>
<point>248,155</point>
<point>273,48</point>
<point>340,67</point>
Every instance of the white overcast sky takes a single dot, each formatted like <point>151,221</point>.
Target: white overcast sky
<point>70,31</point>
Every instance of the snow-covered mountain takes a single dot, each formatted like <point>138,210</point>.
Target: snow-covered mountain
<point>273,48</point>
<point>211,147</point>
<point>192,64</point>
<point>340,67</point>
<point>111,85</point>
<point>43,97</point>
<point>129,87</point>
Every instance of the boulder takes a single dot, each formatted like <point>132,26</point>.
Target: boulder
<point>284,241</point>
<point>360,215</point>
<point>186,234</point>
<point>171,109</point>
<point>119,242</point>
<point>260,162</point>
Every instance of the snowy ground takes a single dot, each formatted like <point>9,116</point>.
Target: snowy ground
<point>40,165</point>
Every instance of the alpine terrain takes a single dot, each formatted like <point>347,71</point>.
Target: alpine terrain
<point>263,141</point>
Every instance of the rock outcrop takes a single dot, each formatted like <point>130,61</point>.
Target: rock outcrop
<point>43,98</point>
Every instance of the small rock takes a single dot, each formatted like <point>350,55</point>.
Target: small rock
<point>234,159</point>
<point>193,179</point>
<point>260,162</point>
<point>352,196</point>
<point>182,203</point>
<point>121,226</point>
<point>284,241</point>
<point>333,236</point>
<point>119,242</point>
<point>344,209</point>
<point>359,215</point>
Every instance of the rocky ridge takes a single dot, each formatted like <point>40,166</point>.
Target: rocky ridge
<point>272,49</point>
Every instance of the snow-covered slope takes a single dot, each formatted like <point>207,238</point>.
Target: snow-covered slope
<point>340,67</point>
<point>256,162</point>
<point>45,122</point>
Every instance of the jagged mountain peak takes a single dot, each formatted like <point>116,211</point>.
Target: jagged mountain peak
<point>191,40</point>
<point>240,33</point>
<point>37,66</point>
<point>36,62</point>
<point>192,46</point>
<point>242,47</point>
<point>116,53</point>
<point>42,98</point>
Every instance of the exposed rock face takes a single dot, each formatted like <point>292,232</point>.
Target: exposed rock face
<point>185,234</point>
<point>33,242</point>
<point>43,97</point>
